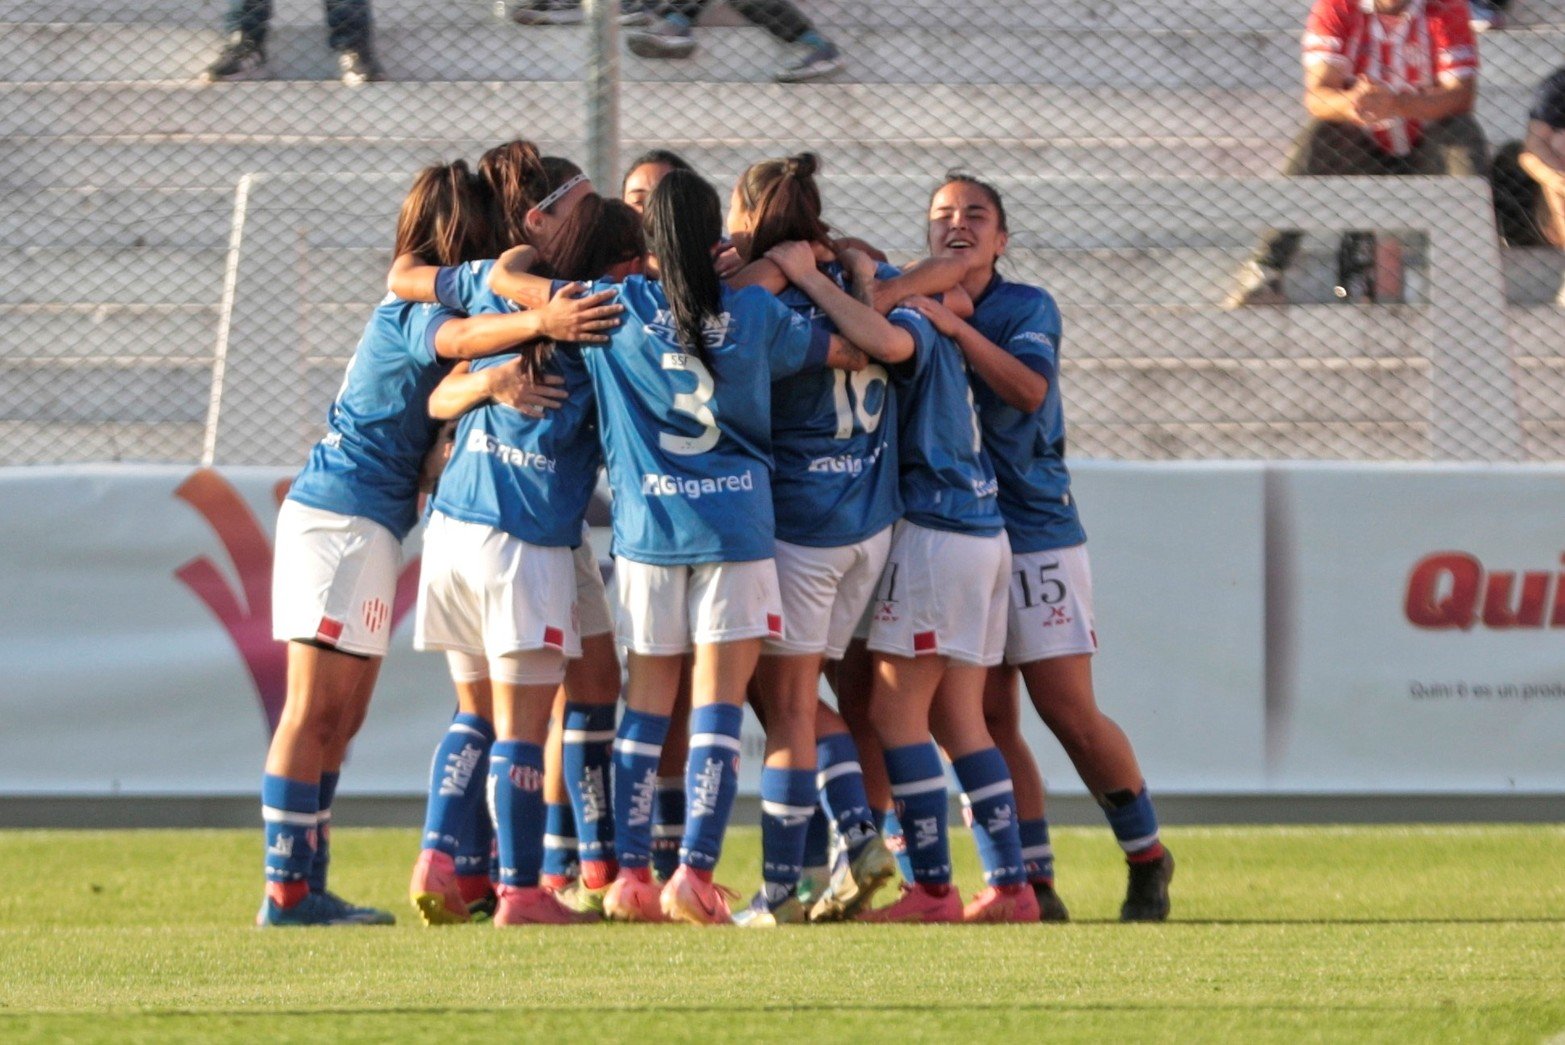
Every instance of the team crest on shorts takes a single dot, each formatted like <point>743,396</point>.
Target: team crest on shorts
<point>376,614</point>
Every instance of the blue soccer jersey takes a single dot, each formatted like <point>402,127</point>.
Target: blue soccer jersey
<point>947,479</point>
<point>1028,450</point>
<point>528,476</point>
<point>379,428</point>
<point>689,438</point>
<point>834,439</point>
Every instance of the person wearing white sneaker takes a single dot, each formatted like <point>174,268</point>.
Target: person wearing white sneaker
<point>349,31</point>
<point>667,34</point>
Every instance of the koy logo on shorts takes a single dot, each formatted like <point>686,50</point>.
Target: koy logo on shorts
<point>886,595</point>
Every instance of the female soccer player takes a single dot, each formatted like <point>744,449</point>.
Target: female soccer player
<point>684,390</point>
<point>1049,630</point>
<point>936,625</point>
<point>339,537</point>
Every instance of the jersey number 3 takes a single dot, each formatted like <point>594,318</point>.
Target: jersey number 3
<point>691,404</point>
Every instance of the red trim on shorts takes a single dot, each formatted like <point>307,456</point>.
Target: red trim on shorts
<point>554,637</point>
<point>924,642</point>
<point>328,630</point>
<point>774,624</point>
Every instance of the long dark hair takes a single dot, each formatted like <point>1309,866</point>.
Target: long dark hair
<point>444,218</point>
<point>512,173</point>
<point>662,157</point>
<point>684,221</point>
<point>784,202</point>
<point>599,234</point>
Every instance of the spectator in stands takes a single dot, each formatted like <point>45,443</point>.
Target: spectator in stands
<point>348,32</point>
<point>1529,176</point>
<point>668,35</point>
<point>1390,87</point>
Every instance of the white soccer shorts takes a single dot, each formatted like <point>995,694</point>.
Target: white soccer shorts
<point>663,610</point>
<point>592,598</point>
<point>825,592</point>
<point>1050,606</point>
<point>334,580</point>
<point>942,593</point>
<point>486,592</point>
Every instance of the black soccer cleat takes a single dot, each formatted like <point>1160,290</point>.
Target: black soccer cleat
<point>1146,891</point>
<point>1050,907</point>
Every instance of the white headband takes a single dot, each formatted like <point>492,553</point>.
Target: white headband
<point>559,193</point>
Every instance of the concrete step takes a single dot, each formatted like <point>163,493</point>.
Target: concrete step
<point>1118,15</point>
<point>31,442</point>
<point>144,276</point>
<point>1258,440</point>
<point>107,331</point>
<point>109,217</point>
<point>897,52</point>
<point>70,391</point>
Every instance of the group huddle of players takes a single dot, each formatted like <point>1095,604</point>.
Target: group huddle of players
<point>819,463</point>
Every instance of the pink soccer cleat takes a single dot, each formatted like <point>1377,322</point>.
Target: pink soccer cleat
<point>1003,903</point>
<point>690,898</point>
<point>633,897</point>
<point>918,904</point>
<point>534,905</point>
<point>434,889</point>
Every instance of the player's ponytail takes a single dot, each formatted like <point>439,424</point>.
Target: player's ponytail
<point>684,223</point>
<point>512,173</point>
<point>784,203</point>
<point>599,234</point>
<point>444,218</point>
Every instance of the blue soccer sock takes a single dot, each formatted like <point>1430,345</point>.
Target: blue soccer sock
<point>987,783</point>
<point>475,835</point>
<point>891,831</point>
<point>668,825</point>
<point>918,785</point>
<point>290,810</point>
<point>456,781</point>
<point>1134,822</point>
<point>787,804</point>
<point>638,744</point>
<point>560,845</point>
<point>841,783</point>
<point>586,755</point>
<point>1037,853</point>
<point>322,861</point>
<point>516,790</point>
<point>711,782</point>
<point>817,839</point>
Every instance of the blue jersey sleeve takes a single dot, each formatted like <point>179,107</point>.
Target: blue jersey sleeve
<point>923,335</point>
<point>465,288</point>
<point>794,343</point>
<point>1036,338</point>
<point>423,323</point>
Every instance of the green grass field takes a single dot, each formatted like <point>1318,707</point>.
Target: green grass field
<point>1279,934</point>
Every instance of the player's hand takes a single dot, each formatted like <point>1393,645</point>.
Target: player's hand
<point>510,386</point>
<point>1372,103</point>
<point>796,259</point>
<point>728,262</point>
<point>940,317</point>
<point>958,302</point>
<point>859,266</point>
<point>573,315</point>
<point>518,259</point>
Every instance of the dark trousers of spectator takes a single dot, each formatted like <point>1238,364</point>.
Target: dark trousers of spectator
<point>1453,146</point>
<point>347,22</point>
<point>781,18</point>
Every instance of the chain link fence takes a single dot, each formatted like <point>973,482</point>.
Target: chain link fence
<point>187,265</point>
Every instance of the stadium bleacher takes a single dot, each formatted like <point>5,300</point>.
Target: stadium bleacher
<point>120,175</point>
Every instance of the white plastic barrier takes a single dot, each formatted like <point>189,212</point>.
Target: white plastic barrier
<point>1255,625</point>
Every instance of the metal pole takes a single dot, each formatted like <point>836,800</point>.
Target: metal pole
<point>603,94</point>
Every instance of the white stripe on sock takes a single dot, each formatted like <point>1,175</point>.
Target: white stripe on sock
<point>457,727</point>
<point>989,791</point>
<point>560,842</point>
<point>587,736</point>
<point>636,747</point>
<point>1038,852</point>
<point>714,740</point>
<point>833,772</point>
<point>324,816</point>
<point>668,830</point>
<point>1135,845</point>
<point>781,809</point>
<point>918,787</point>
<point>287,816</point>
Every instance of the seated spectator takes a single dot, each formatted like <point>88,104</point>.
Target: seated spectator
<point>1529,176</point>
<point>1390,87</point>
<point>668,35</point>
<point>348,32</point>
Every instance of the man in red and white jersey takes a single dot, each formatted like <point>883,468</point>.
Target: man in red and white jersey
<point>1390,87</point>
